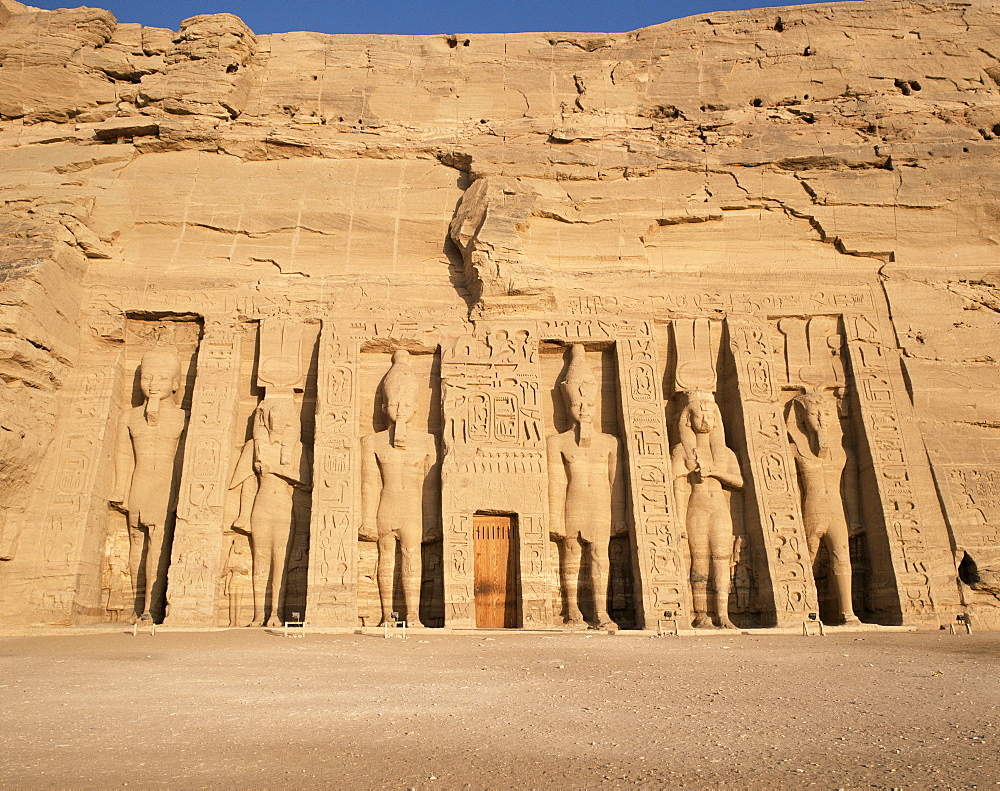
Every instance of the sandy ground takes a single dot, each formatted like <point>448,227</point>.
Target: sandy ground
<point>251,709</point>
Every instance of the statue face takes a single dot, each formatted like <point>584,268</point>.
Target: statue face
<point>400,410</point>
<point>281,417</point>
<point>703,417</point>
<point>819,416</point>
<point>582,401</point>
<point>158,379</point>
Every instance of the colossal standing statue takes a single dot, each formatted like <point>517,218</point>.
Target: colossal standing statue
<point>703,467</point>
<point>273,463</point>
<point>395,499</point>
<point>586,489</point>
<point>815,431</point>
<point>145,461</point>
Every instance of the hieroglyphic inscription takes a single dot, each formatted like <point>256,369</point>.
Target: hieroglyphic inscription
<point>333,557</point>
<point>494,460</point>
<point>772,472</point>
<point>973,493</point>
<point>196,557</point>
<point>714,302</point>
<point>659,540</point>
<point>874,374</point>
<point>75,515</point>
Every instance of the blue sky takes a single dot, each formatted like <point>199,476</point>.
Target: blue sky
<point>420,17</point>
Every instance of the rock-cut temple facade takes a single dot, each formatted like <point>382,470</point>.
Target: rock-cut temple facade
<point>695,322</point>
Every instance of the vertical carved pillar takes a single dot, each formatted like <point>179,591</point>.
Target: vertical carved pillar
<point>195,559</point>
<point>661,566</point>
<point>65,583</point>
<point>917,536</point>
<point>332,593</point>
<point>772,474</point>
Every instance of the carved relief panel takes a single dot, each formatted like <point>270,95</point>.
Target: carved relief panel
<point>494,461</point>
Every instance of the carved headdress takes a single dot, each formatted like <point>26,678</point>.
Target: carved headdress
<point>399,388</point>
<point>807,441</point>
<point>580,386</point>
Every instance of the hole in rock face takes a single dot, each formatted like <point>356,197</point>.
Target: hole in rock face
<point>757,103</point>
<point>315,76</point>
<point>808,51</point>
<point>996,129</point>
<point>805,96</point>
<point>779,25</point>
<point>232,68</point>
<point>914,85</point>
<point>903,86</point>
<point>466,43</point>
<point>968,572</point>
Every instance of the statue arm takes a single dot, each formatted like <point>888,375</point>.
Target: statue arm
<point>124,460</point>
<point>557,489</point>
<point>732,476</point>
<point>616,475</point>
<point>245,479</point>
<point>682,484</point>
<point>371,491</point>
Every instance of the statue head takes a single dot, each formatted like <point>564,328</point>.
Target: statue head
<point>818,412</point>
<point>160,373</point>
<point>701,415</point>
<point>277,415</point>
<point>399,389</point>
<point>702,412</point>
<point>579,387</point>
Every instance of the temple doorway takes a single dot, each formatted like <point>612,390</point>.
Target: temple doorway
<point>496,566</point>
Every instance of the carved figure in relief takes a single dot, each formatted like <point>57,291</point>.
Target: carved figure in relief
<point>235,575</point>
<point>272,465</point>
<point>828,506</point>
<point>586,493</point>
<point>396,490</point>
<point>145,461</point>
<point>704,468</point>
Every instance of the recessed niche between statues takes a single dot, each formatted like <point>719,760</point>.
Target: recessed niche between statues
<point>588,524</point>
<point>148,446</point>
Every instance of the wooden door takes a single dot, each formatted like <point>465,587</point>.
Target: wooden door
<point>495,542</point>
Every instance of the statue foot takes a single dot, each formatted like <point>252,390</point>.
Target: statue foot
<point>132,619</point>
<point>273,621</point>
<point>725,623</point>
<point>574,622</point>
<point>702,622</point>
<point>256,622</point>
<point>852,620</point>
<point>415,625</point>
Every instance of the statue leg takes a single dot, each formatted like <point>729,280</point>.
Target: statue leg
<point>279,562</point>
<point>722,555</point>
<point>385,574</point>
<point>136,544</point>
<point>599,564</point>
<point>261,542</point>
<point>838,545</point>
<point>570,553</point>
<point>411,582</point>
<point>154,549</point>
<point>701,562</point>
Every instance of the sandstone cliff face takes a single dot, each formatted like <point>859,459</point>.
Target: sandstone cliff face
<point>455,177</point>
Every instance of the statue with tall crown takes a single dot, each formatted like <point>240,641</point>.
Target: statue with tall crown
<point>704,468</point>
<point>586,494</point>
<point>397,502</point>
<point>145,464</point>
